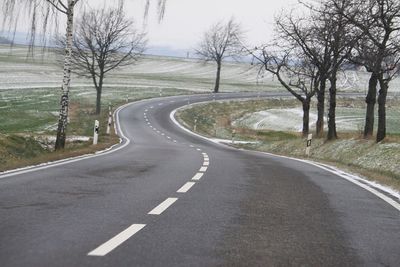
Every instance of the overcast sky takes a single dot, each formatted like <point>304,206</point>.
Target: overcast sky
<point>186,20</point>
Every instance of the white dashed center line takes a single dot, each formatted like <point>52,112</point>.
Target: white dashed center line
<point>116,241</point>
<point>163,206</point>
<point>203,169</point>
<point>198,176</point>
<point>186,187</point>
<point>113,243</point>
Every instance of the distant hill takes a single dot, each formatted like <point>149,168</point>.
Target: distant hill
<point>4,40</point>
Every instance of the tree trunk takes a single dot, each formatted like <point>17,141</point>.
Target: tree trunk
<point>321,108</point>
<point>306,116</point>
<point>370,100</point>
<point>63,117</point>
<point>98,101</point>
<point>99,89</point>
<point>381,133</point>
<point>217,80</point>
<point>332,134</point>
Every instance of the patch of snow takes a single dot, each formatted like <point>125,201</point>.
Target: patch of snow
<point>72,138</point>
<point>291,119</point>
<point>228,141</point>
<point>275,119</point>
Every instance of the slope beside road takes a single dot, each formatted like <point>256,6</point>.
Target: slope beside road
<point>168,198</point>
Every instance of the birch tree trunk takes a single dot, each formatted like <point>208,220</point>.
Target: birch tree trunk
<point>64,102</point>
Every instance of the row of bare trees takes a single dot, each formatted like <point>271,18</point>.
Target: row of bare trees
<point>310,50</point>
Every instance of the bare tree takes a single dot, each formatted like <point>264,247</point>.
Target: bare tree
<point>221,41</point>
<point>378,51</point>
<point>104,40</point>
<point>295,73</point>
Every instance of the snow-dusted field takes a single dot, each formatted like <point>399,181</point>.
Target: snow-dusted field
<point>153,71</point>
<point>290,119</point>
<point>32,85</point>
<point>16,72</point>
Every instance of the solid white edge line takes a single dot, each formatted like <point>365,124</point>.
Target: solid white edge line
<point>198,176</point>
<point>370,189</point>
<point>366,187</point>
<point>186,187</point>
<point>163,206</point>
<point>114,242</point>
<point>107,151</point>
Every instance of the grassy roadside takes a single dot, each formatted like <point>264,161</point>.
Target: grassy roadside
<point>28,130</point>
<point>376,162</point>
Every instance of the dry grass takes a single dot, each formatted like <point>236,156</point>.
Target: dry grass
<point>33,154</point>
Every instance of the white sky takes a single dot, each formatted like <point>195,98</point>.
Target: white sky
<point>186,20</point>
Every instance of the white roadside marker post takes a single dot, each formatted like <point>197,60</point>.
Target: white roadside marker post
<point>195,125</point>
<point>233,136</point>
<point>96,132</point>
<point>160,92</point>
<point>109,120</point>
<point>308,148</point>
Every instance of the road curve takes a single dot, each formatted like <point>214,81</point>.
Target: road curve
<point>169,198</point>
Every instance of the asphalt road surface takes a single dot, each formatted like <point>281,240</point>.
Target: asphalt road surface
<point>168,198</point>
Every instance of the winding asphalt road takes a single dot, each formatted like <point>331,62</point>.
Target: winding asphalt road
<point>169,198</point>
